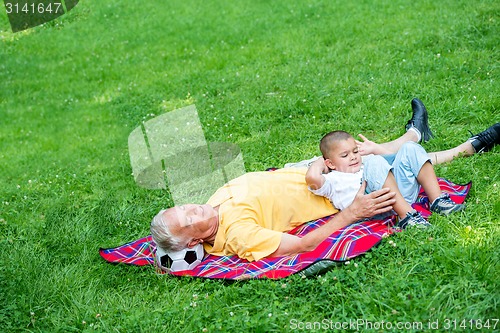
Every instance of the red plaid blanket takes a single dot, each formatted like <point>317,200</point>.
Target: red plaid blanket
<point>342,245</point>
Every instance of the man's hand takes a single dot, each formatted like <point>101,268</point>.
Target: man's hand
<point>369,205</point>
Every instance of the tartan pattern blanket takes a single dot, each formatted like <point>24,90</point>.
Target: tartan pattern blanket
<point>342,245</point>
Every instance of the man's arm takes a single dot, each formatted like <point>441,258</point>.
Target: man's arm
<point>363,206</point>
<point>314,175</point>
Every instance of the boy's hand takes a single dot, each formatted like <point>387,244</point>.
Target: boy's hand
<point>366,147</point>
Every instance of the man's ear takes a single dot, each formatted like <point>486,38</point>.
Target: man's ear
<point>193,242</point>
<point>329,164</point>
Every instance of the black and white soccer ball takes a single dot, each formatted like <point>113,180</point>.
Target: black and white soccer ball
<point>182,260</point>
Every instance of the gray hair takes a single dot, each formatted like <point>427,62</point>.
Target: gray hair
<point>162,235</point>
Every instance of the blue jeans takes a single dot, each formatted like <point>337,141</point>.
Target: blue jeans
<point>405,165</point>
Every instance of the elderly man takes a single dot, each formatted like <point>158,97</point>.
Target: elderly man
<point>250,215</point>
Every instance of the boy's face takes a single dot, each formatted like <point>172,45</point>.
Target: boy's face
<point>344,157</point>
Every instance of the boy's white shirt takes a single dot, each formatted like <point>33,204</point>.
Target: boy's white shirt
<point>339,190</point>
<point>340,187</point>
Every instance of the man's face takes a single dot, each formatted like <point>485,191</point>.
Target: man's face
<point>192,221</point>
<point>344,157</point>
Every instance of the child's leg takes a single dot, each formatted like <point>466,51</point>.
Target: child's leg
<point>394,145</point>
<point>401,207</point>
<point>406,166</point>
<point>412,169</point>
<point>377,173</point>
<point>465,149</point>
<point>428,180</point>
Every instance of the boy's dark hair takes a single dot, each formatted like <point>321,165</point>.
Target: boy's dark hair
<point>329,139</point>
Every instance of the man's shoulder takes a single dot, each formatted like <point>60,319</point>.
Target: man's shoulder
<point>277,173</point>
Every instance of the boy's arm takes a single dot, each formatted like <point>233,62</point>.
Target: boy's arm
<point>368,147</point>
<point>314,175</point>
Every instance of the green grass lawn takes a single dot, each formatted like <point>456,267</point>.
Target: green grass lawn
<point>271,77</point>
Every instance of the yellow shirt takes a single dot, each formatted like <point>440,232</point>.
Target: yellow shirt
<point>256,208</point>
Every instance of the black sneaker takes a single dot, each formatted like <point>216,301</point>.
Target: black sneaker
<point>445,206</point>
<point>413,220</point>
<point>484,141</point>
<point>420,120</point>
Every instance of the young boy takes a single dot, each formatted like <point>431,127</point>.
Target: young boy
<point>339,173</point>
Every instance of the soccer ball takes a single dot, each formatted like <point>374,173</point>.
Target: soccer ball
<point>182,260</point>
